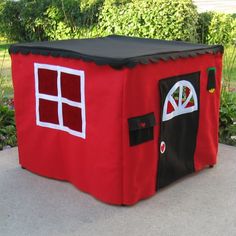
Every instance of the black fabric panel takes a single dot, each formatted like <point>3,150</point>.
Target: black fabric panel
<point>179,135</point>
<point>141,128</point>
<point>138,122</point>
<point>140,136</point>
<point>116,51</point>
<point>211,82</point>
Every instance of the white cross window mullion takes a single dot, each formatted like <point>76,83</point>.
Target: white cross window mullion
<point>60,116</point>
<point>59,99</point>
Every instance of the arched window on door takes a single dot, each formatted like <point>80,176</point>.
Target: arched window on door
<point>181,99</point>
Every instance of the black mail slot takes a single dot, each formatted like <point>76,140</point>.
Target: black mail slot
<point>141,128</point>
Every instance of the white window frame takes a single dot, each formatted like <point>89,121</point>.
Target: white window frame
<point>59,99</point>
<point>180,108</point>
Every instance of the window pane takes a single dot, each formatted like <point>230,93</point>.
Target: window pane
<point>47,81</point>
<point>48,111</point>
<point>70,87</point>
<point>72,117</point>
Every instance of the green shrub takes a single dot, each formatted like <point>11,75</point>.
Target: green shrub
<point>7,121</point>
<point>53,24</point>
<point>222,29</point>
<point>7,127</point>
<point>233,33</point>
<point>164,19</point>
<point>90,10</point>
<point>17,19</point>
<point>37,20</point>
<point>27,20</point>
<point>204,21</point>
<point>11,26</point>
<point>227,127</point>
<point>229,67</point>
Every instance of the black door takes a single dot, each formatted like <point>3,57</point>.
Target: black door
<point>179,125</point>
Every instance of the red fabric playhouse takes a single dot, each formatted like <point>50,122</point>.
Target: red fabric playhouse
<point>118,117</point>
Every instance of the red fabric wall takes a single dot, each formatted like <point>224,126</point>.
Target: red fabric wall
<point>104,164</point>
<point>92,164</point>
<point>142,96</point>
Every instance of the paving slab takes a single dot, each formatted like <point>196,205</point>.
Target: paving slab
<point>203,203</point>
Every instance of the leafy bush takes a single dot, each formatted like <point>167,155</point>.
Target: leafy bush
<point>7,122</point>
<point>222,29</point>
<point>26,20</point>
<point>11,26</point>
<point>71,19</point>
<point>229,68</point>
<point>17,19</point>
<point>233,33</point>
<point>53,24</point>
<point>164,19</point>
<point>37,20</point>
<point>227,128</point>
<point>204,21</point>
<point>7,127</point>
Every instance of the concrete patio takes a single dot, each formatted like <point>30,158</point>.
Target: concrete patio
<point>200,204</point>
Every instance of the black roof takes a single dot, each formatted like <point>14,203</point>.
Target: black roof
<point>116,51</point>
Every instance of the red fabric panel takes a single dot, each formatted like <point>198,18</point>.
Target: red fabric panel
<point>207,142</point>
<point>70,87</point>
<point>48,111</point>
<point>47,81</point>
<point>190,104</point>
<point>104,164</point>
<point>140,163</point>
<point>92,164</point>
<point>72,117</point>
<point>170,108</point>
